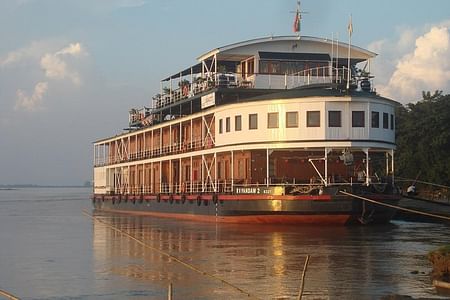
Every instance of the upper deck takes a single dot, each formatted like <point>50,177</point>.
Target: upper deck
<point>256,67</point>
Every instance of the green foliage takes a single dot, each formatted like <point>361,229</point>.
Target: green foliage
<point>423,139</point>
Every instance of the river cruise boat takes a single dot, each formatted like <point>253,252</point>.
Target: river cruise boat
<point>269,130</point>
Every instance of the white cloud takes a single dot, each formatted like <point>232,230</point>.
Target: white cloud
<point>73,49</point>
<point>32,52</point>
<point>32,102</point>
<point>55,65</point>
<point>414,63</point>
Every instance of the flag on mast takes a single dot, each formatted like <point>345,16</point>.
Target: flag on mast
<point>296,26</point>
<point>350,31</point>
<point>350,26</point>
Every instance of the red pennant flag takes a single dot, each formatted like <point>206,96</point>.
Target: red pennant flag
<point>296,26</point>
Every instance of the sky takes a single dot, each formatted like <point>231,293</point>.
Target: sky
<point>71,69</point>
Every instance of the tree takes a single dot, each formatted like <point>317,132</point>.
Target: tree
<point>423,139</point>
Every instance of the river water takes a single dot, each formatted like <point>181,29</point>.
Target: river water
<point>50,250</point>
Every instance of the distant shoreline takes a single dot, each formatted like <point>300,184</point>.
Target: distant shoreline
<point>21,186</point>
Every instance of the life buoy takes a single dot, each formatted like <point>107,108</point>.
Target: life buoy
<point>199,200</point>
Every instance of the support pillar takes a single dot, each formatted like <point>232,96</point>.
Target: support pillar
<point>232,170</point>
<point>215,172</point>
<point>366,151</point>
<point>267,167</point>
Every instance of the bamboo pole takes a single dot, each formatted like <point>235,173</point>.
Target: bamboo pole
<point>300,294</point>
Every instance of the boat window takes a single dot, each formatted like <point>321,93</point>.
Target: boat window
<point>227,124</point>
<point>275,67</point>
<point>357,118</point>
<point>250,66</point>
<point>375,119</point>
<point>291,119</point>
<point>272,120</point>
<point>392,122</point>
<point>253,121</point>
<point>220,126</point>
<point>385,120</point>
<point>264,67</point>
<point>334,118</point>
<point>238,123</point>
<point>313,118</point>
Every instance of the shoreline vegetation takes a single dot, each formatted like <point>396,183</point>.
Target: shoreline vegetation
<point>440,261</point>
<point>423,139</point>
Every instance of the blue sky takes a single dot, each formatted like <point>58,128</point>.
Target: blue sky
<point>70,70</point>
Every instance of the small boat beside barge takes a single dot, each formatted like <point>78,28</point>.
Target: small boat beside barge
<point>261,131</point>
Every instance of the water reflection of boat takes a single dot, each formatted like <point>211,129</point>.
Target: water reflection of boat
<point>261,131</point>
<point>346,262</point>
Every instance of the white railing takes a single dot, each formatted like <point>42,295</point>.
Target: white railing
<point>316,75</point>
<point>228,187</point>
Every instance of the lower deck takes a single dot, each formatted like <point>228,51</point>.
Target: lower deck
<point>265,171</point>
<point>232,208</point>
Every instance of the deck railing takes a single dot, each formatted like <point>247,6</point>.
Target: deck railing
<point>257,80</point>
<point>231,186</point>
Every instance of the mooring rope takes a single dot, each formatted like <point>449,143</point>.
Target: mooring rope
<point>163,253</point>
<point>8,295</point>
<point>397,207</point>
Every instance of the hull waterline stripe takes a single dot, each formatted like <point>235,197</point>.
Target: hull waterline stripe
<point>163,253</point>
<point>253,219</point>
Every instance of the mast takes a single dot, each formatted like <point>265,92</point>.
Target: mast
<point>297,20</point>
<point>350,31</point>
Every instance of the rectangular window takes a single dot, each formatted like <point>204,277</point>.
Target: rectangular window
<point>291,119</point>
<point>227,124</point>
<point>357,118</point>
<point>253,121</point>
<point>220,126</point>
<point>251,66</point>
<point>313,118</point>
<point>238,123</point>
<point>392,122</point>
<point>263,67</point>
<point>275,67</point>
<point>385,120</point>
<point>375,119</point>
<point>334,118</point>
<point>272,120</point>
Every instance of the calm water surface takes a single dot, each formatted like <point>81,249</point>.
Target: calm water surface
<point>50,250</point>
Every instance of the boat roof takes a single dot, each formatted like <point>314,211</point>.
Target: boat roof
<point>235,51</point>
<point>277,47</point>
